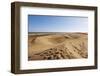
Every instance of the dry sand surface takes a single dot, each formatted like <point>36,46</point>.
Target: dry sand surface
<point>57,46</point>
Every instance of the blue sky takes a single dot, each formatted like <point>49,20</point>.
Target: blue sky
<point>40,23</point>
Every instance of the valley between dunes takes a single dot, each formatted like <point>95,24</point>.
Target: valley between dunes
<point>57,46</point>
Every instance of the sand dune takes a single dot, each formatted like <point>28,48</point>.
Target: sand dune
<point>57,46</point>
<point>53,39</point>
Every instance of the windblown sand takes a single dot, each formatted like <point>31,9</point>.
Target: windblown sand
<point>58,46</point>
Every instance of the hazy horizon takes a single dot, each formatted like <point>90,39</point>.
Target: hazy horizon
<point>39,23</point>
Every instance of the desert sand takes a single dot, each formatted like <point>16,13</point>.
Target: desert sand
<point>51,46</point>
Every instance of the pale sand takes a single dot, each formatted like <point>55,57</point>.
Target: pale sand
<point>58,46</point>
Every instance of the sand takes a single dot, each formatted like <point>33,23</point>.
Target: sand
<point>57,46</point>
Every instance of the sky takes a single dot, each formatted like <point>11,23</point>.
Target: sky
<point>40,23</point>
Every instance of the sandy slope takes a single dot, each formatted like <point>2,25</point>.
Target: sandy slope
<point>57,46</point>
